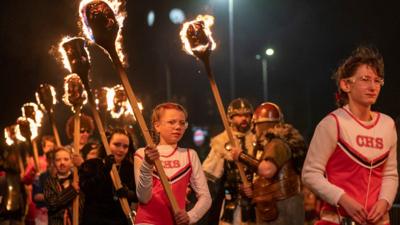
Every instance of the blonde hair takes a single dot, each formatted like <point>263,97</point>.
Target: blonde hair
<point>159,110</point>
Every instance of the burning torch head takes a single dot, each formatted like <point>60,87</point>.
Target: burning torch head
<point>28,111</point>
<point>120,96</point>
<point>101,98</point>
<point>32,111</point>
<point>75,94</point>
<point>102,21</point>
<point>10,135</point>
<point>46,97</point>
<point>196,36</point>
<point>24,127</point>
<point>77,56</point>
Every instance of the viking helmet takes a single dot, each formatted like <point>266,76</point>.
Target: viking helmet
<point>239,106</point>
<point>267,112</point>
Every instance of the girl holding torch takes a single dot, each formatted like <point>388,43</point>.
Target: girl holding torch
<point>101,198</point>
<point>182,167</point>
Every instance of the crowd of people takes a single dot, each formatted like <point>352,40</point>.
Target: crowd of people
<point>347,175</point>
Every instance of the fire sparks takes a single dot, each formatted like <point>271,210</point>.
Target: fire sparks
<point>74,93</point>
<point>26,128</point>
<point>46,97</point>
<point>120,15</point>
<point>196,35</point>
<point>32,111</point>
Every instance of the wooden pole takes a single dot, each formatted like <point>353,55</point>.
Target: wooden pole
<point>223,116</point>
<point>81,67</point>
<point>54,128</point>
<point>114,172</point>
<point>105,28</point>
<point>77,135</point>
<point>35,155</point>
<point>139,117</point>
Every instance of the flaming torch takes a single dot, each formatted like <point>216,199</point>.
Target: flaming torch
<point>75,96</point>
<point>197,40</point>
<point>27,130</point>
<point>31,111</point>
<point>79,60</point>
<point>11,140</point>
<point>121,106</point>
<point>46,98</point>
<point>122,110</point>
<point>101,26</point>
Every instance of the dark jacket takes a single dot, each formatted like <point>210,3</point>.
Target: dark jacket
<point>102,206</point>
<point>59,200</point>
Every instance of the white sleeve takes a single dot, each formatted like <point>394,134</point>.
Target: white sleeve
<point>320,150</point>
<point>390,179</point>
<point>143,178</point>
<point>199,185</point>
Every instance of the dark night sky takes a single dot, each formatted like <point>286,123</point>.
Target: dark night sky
<point>310,38</point>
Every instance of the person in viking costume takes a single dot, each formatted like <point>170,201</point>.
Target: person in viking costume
<point>277,189</point>
<point>222,173</point>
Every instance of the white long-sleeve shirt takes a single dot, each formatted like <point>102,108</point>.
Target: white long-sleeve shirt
<point>182,167</point>
<point>350,156</point>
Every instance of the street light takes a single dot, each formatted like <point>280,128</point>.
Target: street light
<point>264,64</point>
<point>269,51</point>
<point>231,50</point>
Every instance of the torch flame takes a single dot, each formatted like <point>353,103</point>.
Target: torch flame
<point>121,108</point>
<point>37,113</point>
<point>53,94</point>
<point>120,15</point>
<point>81,99</point>
<point>32,127</point>
<point>8,135</point>
<point>201,23</point>
<point>110,98</point>
<point>64,56</point>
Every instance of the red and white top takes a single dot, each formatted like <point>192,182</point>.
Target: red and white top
<point>182,167</point>
<point>350,156</point>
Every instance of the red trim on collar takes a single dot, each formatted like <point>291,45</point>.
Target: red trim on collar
<point>360,122</point>
<point>166,156</point>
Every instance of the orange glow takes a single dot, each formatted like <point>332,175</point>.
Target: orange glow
<point>8,135</point>
<point>64,56</point>
<point>120,15</point>
<point>120,103</point>
<point>53,94</point>
<point>37,113</point>
<point>78,92</point>
<point>208,21</point>
<point>32,127</point>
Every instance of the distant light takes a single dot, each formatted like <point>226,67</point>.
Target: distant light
<point>177,16</point>
<point>269,51</point>
<point>151,16</point>
<point>199,136</point>
<point>258,56</point>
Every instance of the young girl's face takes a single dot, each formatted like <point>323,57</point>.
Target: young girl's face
<point>119,146</point>
<point>363,87</point>
<point>171,126</point>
